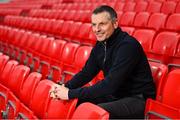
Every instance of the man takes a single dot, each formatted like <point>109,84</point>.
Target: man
<point>128,81</point>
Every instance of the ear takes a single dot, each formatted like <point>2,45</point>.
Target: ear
<point>115,23</point>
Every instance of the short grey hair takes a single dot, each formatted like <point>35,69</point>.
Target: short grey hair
<point>106,8</point>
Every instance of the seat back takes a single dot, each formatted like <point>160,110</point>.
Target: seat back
<point>145,37</point>
<point>173,22</point>
<point>171,91</point>
<point>3,61</point>
<point>164,46</point>
<point>29,86</point>
<point>41,98</point>
<point>159,73</point>
<point>17,78</point>
<point>6,73</point>
<point>90,111</point>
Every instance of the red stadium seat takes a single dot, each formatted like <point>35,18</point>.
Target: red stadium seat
<point>169,107</point>
<point>168,7</point>
<point>157,21</point>
<point>145,37</point>
<point>129,30</point>
<point>173,22</point>
<point>127,18</point>
<point>119,6</point>
<point>154,7</point>
<point>141,19</point>
<point>18,75</point>
<point>175,60</point>
<point>159,73</point>
<point>164,47</point>
<point>129,6</point>
<point>3,61</point>
<point>45,107</point>
<point>79,62</point>
<point>66,60</point>
<point>90,111</point>
<point>141,6</point>
<point>29,86</point>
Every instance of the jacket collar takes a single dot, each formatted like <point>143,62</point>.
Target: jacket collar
<point>113,37</point>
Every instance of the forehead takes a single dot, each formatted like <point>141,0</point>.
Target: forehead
<point>100,17</point>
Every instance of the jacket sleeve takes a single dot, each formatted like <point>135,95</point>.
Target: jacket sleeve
<point>127,57</point>
<point>88,72</point>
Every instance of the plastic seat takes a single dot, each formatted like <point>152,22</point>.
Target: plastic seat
<point>3,61</point>
<point>82,36</point>
<point>173,22</point>
<point>29,86</point>
<point>145,37</point>
<point>119,6</point>
<point>127,18</point>
<point>168,7</point>
<point>154,7</point>
<point>129,30</point>
<point>159,73</point>
<point>164,47</point>
<point>45,107</point>
<point>90,111</point>
<point>5,75</point>
<point>157,21</point>
<point>75,30</point>
<point>141,6</point>
<point>169,107</point>
<point>129,6</point>
<point>175,60</point>
<point>45,57</point>
<point>79,62</point>
<point>40,99</point>
<point>64,110</point>
<point>17,78</point>
<point>66,29</point>
<point>66,60</point>
<point>141,19</point>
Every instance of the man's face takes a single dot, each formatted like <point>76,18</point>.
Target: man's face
<point>103,26</point>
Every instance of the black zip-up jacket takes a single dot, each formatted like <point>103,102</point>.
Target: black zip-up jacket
<point>125,68</point>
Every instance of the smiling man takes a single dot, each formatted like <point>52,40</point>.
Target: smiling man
<point>127,79</point>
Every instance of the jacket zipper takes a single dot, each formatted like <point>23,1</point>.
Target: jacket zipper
<point>104,53</point>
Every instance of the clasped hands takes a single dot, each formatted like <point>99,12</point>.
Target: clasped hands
<point>59,92</point>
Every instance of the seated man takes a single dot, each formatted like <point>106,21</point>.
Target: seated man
<point>128,81</point>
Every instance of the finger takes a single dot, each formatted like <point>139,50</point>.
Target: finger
<point>52,95</point>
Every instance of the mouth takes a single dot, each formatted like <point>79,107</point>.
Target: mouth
<point>99,34</point>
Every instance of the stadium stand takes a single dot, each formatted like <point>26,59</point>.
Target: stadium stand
<point>40,45</point>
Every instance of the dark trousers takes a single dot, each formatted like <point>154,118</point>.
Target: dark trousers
<point>128,107</point>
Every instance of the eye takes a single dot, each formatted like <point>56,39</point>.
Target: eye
<point>93,24</point>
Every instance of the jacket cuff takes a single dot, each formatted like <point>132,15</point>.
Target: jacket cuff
<point>73,93</point>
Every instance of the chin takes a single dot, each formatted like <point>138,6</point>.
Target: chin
<point>100,39</point>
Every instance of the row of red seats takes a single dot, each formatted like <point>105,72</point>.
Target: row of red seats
<point>166,7</point>
<point>156,21</point>
<point>149,38</point>
<point>60,28</point>
<point>160,46</point>
<point>10,11</point>
<point>16,81</point>
<point>31,49</point>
